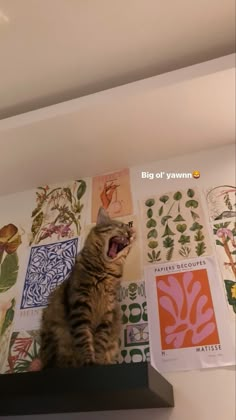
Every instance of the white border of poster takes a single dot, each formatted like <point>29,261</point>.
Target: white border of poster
<point>196,357</point>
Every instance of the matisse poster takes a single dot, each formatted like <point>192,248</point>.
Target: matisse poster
<point>188,324</point>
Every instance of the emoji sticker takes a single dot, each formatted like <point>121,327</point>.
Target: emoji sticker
<point>196,174</point>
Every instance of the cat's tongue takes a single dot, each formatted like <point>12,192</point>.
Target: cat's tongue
<point>116,245</point>
<point>113,249</point>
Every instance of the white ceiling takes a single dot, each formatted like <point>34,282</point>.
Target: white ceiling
<point>168,115</point>
<point>56,50</point>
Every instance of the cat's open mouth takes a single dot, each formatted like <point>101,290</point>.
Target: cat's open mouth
<point>116,245</point>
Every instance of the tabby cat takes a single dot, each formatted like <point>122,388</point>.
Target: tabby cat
<point>81,324</point>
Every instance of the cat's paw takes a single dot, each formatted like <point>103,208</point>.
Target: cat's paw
<point>89,360</point>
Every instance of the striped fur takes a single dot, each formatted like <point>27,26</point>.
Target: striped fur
<point>81,324</point>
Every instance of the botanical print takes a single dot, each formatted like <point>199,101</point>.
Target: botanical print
<point>57,214</point>
<point>23,355</point>
<point>225,239</point>
<point>134,335</point>
<point>10,240</point>
<point>230,287</point>
<point>49,265</point>
<point>221,202</point>
<point>174,227</point>
<point>186,311</point>
<point>7,312</point>
<point>132,268</point>
<point>188,324</point>
<point>113,193</point>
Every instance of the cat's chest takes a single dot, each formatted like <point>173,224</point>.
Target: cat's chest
<point>105,299</point>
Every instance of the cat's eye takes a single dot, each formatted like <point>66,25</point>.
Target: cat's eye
<point>129,224</point>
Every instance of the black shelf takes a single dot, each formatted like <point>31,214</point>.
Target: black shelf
<point>97,388</point>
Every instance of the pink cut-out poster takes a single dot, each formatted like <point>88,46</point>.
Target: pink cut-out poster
<point>188,319</point>
<point>186,310</point>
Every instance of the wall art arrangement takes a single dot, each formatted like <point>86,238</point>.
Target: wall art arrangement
<point>57,221</point>
<point>174,227</point>
<point>113,193</point>
<point>176,315</point>
<point>187,320</point>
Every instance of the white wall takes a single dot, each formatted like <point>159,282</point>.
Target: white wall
<point>199,395</point>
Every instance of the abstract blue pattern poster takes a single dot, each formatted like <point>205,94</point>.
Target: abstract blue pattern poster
<point>48,266</point>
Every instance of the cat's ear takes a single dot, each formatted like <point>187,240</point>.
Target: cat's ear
<point>102,217</point>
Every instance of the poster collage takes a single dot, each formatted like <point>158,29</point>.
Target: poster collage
<point>178,291</point>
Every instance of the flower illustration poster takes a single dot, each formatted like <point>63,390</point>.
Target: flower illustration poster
<point>225,240</point>
<point>188,319</point>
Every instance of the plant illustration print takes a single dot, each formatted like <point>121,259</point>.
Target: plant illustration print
<point>7,312</point>
<point>24,352</point>
<point>186,310</point>
<point>230,287</point>
<point>226,238</point>
<point>168,234</point>
<point>174,226</point>
<point>58,212</point>
<point>221,202</point>
<point>152,233</point>
<point>10,240</point>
